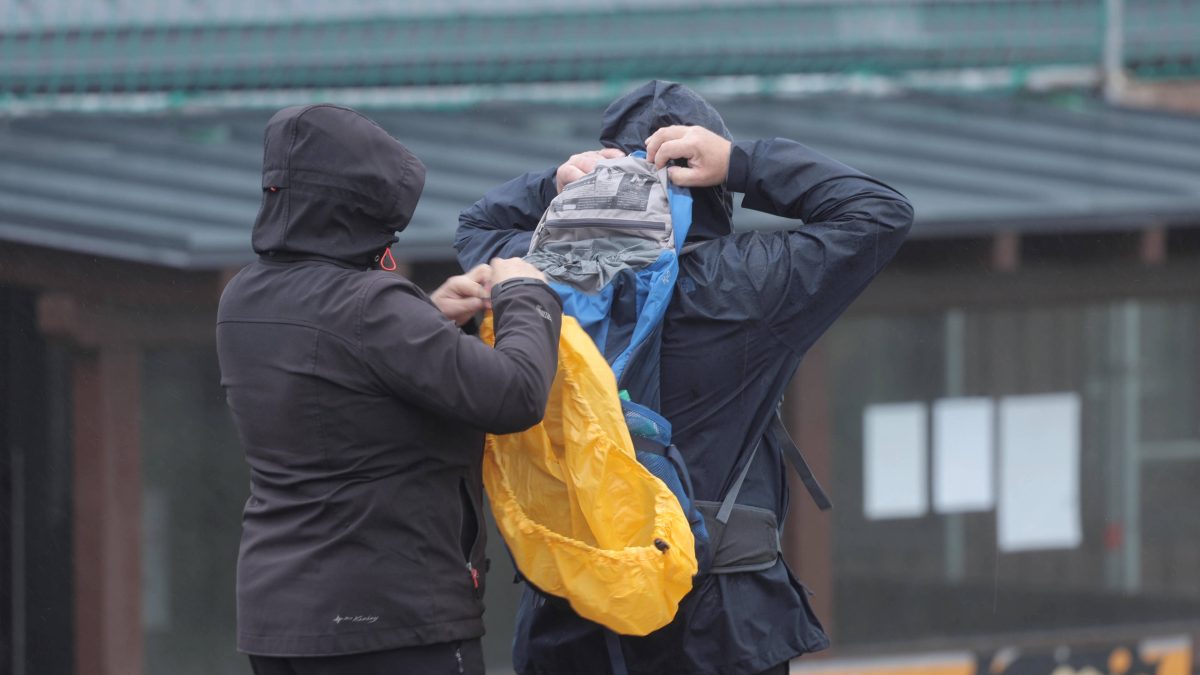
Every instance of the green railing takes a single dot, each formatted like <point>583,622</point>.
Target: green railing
<point>52,47</point>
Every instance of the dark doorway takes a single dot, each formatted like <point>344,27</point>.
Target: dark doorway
<point>36,634</point>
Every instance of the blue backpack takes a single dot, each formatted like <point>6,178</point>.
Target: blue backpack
<point>609,245</point>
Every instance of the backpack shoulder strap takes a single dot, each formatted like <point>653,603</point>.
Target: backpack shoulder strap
<point>736,488</point>
<point>784,440</point>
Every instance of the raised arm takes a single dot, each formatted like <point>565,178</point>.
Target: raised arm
<point>853,226</point>
<point>806,277</point>
<point>420,356</point>
<point>500,225</point>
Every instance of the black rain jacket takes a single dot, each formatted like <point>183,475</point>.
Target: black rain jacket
<point>746,308</point>
<point>361,408</point>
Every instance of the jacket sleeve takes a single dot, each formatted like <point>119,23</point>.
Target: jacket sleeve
<point>421,357</point>
<point>502,223</point>
<point>852,226</point>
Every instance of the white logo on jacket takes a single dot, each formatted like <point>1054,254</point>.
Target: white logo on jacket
<point>355,619</point>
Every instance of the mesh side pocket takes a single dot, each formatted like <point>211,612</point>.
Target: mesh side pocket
<point>645,423</point>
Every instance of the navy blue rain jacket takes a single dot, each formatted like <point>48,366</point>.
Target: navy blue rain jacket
<point>745,309</point>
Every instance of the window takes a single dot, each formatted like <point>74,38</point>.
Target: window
<point>1123,550</point>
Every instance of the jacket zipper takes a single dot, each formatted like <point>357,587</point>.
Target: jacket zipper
<point>458,657</point>
<point>474,575</point>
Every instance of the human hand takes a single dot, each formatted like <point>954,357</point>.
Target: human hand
<point>581,165</point>
<point>462,296</point>
<point>707,155</point>
<point>504,269</point>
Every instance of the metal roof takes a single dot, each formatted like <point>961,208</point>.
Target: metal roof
<point>186,46</point>
<point>183,189</point>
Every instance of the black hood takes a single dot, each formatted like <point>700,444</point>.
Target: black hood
<point>631,119</point>
<point>335,185</point>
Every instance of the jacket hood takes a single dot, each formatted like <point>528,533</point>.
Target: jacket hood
<point>335,185</point>
<point>631,119</point>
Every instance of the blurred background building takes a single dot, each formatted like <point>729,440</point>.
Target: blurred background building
<point>1008,420</point>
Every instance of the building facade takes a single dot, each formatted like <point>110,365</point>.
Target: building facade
<point>1008,420</point>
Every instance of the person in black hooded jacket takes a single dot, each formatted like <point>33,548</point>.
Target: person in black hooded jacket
<point>362,406</point>
<point>746,307</point>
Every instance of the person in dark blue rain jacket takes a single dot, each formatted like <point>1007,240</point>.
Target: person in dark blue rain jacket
<point>746,307</point>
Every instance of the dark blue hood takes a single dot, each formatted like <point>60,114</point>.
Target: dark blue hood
<point>631,119</point>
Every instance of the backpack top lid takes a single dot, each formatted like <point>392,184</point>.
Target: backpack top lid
<point>609,245</point>
<point>618,217</point>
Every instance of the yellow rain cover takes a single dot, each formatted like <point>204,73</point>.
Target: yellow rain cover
<point>579,513</point>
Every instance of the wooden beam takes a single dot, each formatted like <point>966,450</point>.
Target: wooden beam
<point>107,511</point>
<point>1152,249</point>
<point>906,290</point>
<point>65,316</point>
<point>1006,251</point>
<point>104,279</point>
<point>107,345</point>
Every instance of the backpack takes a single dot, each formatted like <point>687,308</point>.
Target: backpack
<point>609,244</point>
<point>583,520</point>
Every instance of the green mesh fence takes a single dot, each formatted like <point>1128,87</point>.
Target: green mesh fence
<point>188,46</point>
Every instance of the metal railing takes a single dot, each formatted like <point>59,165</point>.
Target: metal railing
<point>181,47</point>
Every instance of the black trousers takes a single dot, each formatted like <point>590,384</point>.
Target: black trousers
<point>446,658</point>
<point>781,669</point>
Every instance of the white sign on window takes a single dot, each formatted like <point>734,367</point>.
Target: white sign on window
<point>1039,472</point>
<point>894,461</point>
<point>963,433</point>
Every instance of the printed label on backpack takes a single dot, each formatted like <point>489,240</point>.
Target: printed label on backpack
<point>607,188</point>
